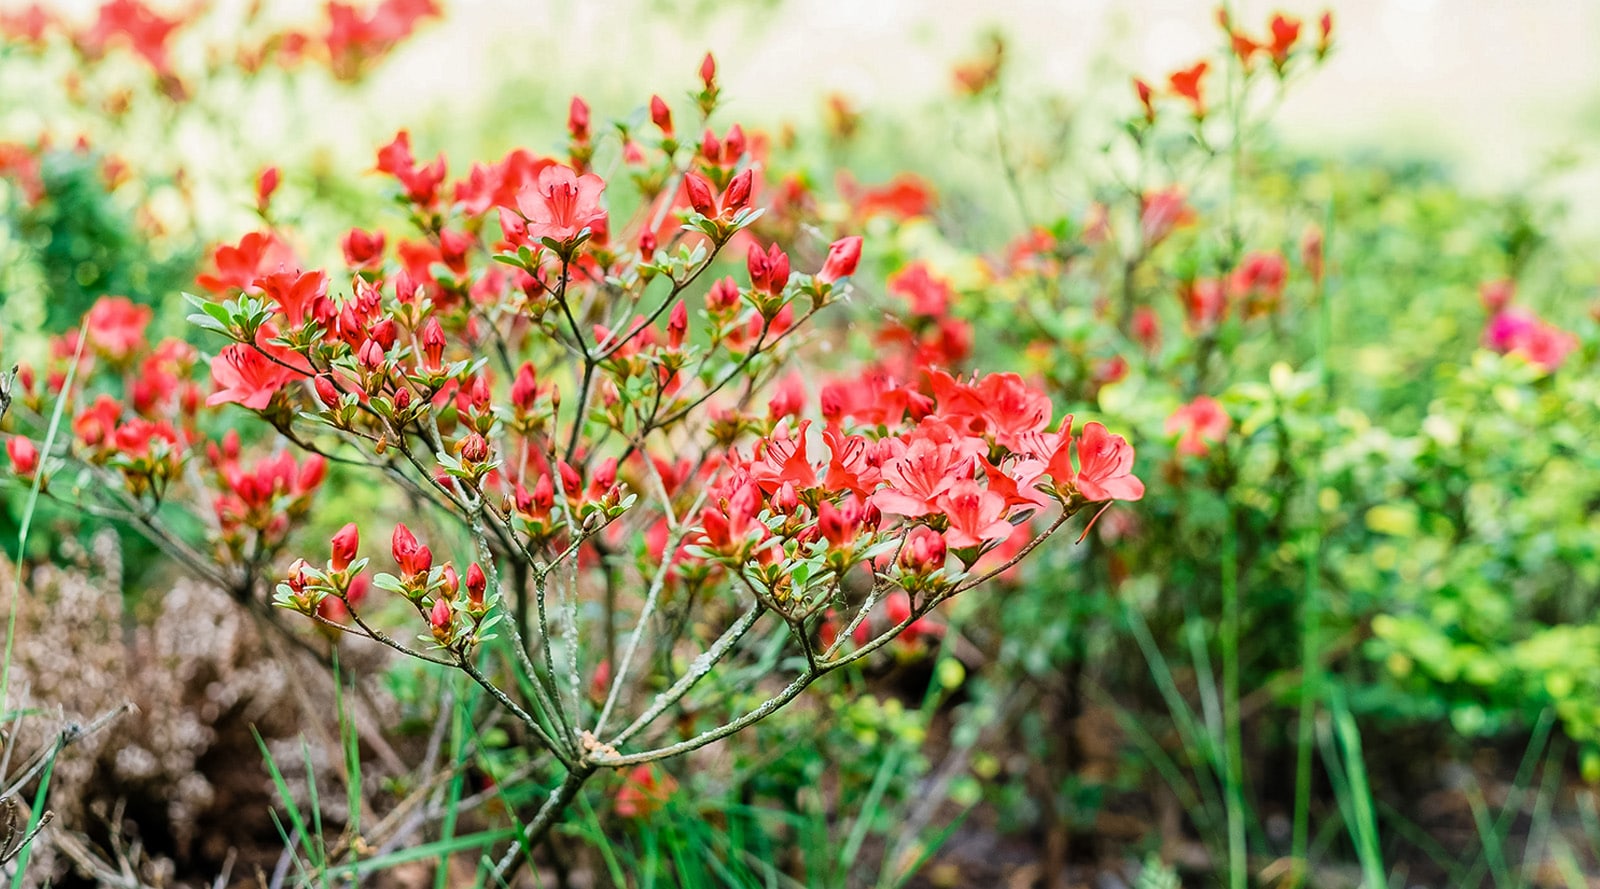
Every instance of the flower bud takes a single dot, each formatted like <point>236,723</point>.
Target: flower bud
<point>450,580</point>
<point>385,333</point>
<point>476,585</point>
<point>402,399</point>
<point>371,355</point>
<point>661,115</point>
<point>474,449</point>
<point>344,544</point>
<point>24,456</point>
<point>843,256</point>
<point>297,576</point>
<point>924,551</point>
<point>708,72</point>
<point>266,184</point>
<point>439,619</point>
<point>677,325</point>
<point>525,388</point>
<point>700,194</point>
<point>647,243</point>
<point>433,343</point>
<point>733,144</point>
<point>786,499</point>
<point>578,120</point>
<point>723,296</point>
<point>738,194</point>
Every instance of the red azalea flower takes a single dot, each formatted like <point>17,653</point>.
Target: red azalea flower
<point>95,425</point>
<point>1201,423</point>
<point>1163,212</point>
<point>1186,84</point>
<point>562,204</point>
<point>238,267</point>
<point>977,516</point>
<point>1105,466</point>
<point>1285,32</point>
<point>116,327</point>
<point>245,376</point>
<point>145,31</point>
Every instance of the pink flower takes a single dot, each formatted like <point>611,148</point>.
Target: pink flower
<point>562,204</point>
<point>116,327</point>
<point>1202,422</point>
<point>1105,466</point>
<point>976,516</point>
<point>245,376</point>
<point>1520,331</point>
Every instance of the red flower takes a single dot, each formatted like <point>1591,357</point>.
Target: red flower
<point>1258,282</point>
<point>238,267</point>
<point>977,516</point>
<point>562,204</point>
<point>843,256</point>
<point>1163,212</point>
<point>1186,85</point>
<point>927,294</point>
<point>95,425</point>
<point>1285,32</point>
<point>145,31</point>
<point>245,376</point>
<point>644,788</point>
<point>363,249</point>
<point>933,461</point>
<point>1105,466</point>
<point>116,327</point>
<point>1201,423</point>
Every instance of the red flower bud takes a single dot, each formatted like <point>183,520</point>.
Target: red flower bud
<point>578,120</point>
<point>786,499</point>
<point>385,332</point>
<point>439,618</point>
<point>402,399</point>
<point>647,243</point>
<point>924,551</point>
<point>525,388</point>
<point>733,144</point>
<point>345,543</point>
<point>708,72</point>
<point>843,256</point>
<point>450,579</point>
<point>738,194</point>
<point>24,456</point>
<point>296,578</point>
<point>711,147</point>
<point>474,449</point>
<point>661,115</point>
<point>476,584</point>
<point>677,325</point>
<point>266,184</point>
<point>362,249</point>
<point>413,558</point>
<point>723,296</point>
<point>371,355</point>
<point>700,194</point>
<point>433,343</point>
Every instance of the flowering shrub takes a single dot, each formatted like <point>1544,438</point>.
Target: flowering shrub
<point>596,430</point>
<point>1328,498</point>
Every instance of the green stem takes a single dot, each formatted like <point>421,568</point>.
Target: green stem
<point>1238,864</point>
